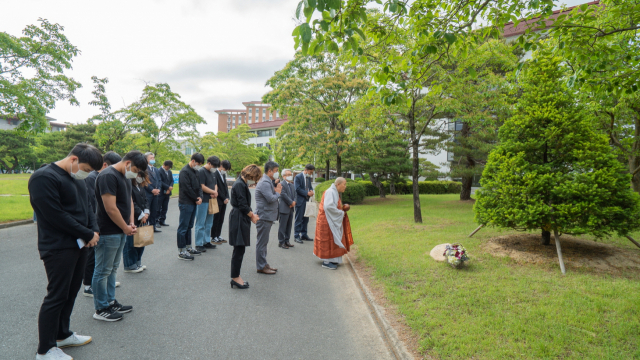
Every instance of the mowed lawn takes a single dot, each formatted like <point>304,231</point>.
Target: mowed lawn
<point>16,206</point>
<point>495,308</point>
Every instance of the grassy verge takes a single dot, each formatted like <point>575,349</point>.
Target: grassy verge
<point>13,208</point>
<point>495,308</point>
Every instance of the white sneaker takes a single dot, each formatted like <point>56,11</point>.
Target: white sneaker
<point>136,270</point>
<point>117,283</point>
<point>143,267</point>
<point>74,340</point>
<point>54,354</point>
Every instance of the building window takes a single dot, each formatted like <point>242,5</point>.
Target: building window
<point>259,145</point>
<point>263,133</point>
<point>277,114</point>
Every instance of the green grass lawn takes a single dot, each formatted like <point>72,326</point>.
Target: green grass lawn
<point>14,208</point>
<point>495,308</point>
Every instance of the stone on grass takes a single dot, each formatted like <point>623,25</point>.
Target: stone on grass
<point>438,251</point>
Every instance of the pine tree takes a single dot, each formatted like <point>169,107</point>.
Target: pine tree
<point>551,169</point>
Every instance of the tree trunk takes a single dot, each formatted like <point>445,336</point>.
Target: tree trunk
<point>338,166</point>
<point>392,185</point>
<point>327,175</point>
<point>417,211</point>
<point>634,163</point>
<point>546,237</point>
<point>377,183</point>
<point>465,193</point>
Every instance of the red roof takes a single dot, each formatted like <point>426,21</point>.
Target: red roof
<point>252,102</point>
<point>511,30</point>
<point>268,124</point>
<point>231,110</point>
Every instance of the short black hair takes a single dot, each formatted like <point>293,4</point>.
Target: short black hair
<point>137,159</point>
<point>214,161</point>
<point>270,165</point>
<point>112,157</point>
<point>309,167</point>
<point>87,154</point>
<point>168,163</point>
<point>226,164</point>
<point>198,158</point>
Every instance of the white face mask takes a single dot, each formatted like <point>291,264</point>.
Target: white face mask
<point>223,172</point>
<point>289,178</point>
<point>250,182</point>
<point>212,170</point>
<point>130,174</point>
<point>139,180</point>
<point>276,174</point>
<point>197,167</point>
<point>307,175</point>
<point>78,175</point>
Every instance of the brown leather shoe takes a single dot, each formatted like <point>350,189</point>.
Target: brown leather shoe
<point>288,244</point>
<point>267,271</point>
<point>270,268</point>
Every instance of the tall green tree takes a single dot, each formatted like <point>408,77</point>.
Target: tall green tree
<point>552,170</point>
<point>53,146</point>
<point>314,92</point>
<point>16,151</point>
<point>32,75</point>
<point>231,146</point>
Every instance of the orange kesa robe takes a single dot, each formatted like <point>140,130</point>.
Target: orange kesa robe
<point>323,245</point>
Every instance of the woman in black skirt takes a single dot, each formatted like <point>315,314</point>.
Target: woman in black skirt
<point>240,220</point>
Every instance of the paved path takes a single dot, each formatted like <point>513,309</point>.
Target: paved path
<point>186,310</point>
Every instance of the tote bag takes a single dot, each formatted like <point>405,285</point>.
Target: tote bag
<point>144,236</point>
<point>311,210</point>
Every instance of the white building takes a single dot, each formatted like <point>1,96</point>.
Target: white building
<point>13,123</point>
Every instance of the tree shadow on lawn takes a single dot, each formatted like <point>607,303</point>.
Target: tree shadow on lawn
<point>579,254</point>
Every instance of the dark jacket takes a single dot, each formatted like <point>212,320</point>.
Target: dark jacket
<point>223,188</point>
<point>302,185</point>
<point>62,208</point>
<point>287,197</point>
<point>167,180</point>
<point>139,202</point>
<point>90,182</point>
<point>190,189</point>
<point>239,222</point>
<point>156,181</point>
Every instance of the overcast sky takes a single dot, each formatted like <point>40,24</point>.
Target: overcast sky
<point>214,53</point>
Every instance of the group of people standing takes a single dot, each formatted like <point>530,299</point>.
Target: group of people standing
<point>89,208</point>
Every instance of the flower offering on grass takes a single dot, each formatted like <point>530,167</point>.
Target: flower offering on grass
<point>456,255</point>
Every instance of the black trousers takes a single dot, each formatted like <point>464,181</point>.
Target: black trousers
<point>218,220</point>
<point>88,269</point>
<point>164,206</point>
<point>65,269</point>
<point>152,202</point>
<point>284,227</point>
<point>236,260</point>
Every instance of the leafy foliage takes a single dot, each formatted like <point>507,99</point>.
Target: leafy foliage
<point>354,194</point>
<point>552,170</point>
<point>43,53</point>
<point>232,146</point>
<point>16,151</point>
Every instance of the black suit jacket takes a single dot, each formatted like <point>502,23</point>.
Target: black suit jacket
<point>167,180</point>
<point>139,202</point>
<point>223,188</point>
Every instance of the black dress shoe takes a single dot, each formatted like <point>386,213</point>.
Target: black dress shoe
<point>156,230</point>
<point>243,286</point>
<point>209,246</point>
<point>164,224</point>
<point>288,244</point>
<point>158,226</point>
<point>282,245</point>
<point>298,241</point>
<point>306,238</point>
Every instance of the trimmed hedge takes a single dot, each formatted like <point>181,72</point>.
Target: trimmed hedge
<point>425,187</point>
<point>319,179</point>
<point>354,193</point>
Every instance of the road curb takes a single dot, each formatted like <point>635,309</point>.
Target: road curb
<point>16,223</point>
<point>391,335</point>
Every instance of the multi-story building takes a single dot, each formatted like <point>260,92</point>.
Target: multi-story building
<point>13,123</point>
<point>261,118</point>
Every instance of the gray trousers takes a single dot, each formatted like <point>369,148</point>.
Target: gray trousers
<point>264,228</point>
<point>284,228</point>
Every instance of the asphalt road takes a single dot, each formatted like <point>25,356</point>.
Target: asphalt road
<point>186,310</point>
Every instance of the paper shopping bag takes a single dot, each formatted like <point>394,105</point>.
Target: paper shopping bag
<point>144,236</point>
<point>213,206</point>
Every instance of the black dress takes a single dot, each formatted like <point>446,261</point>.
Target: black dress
<point>239,222</point>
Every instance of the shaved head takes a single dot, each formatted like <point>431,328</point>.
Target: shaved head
<point>340,180</point>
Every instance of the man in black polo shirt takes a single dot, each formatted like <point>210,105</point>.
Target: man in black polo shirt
<point>190,196</point>
<point>66,228</point>
<point>115,219</point>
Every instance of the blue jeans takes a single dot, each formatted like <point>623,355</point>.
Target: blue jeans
<point>185,224</point>
<point>131,255</point>
<point>204,221</point>
<point>108,254</point>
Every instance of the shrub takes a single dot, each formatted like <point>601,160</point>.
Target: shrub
<point>425,187</point>
<point>354,194</point>
<point>320,180</point>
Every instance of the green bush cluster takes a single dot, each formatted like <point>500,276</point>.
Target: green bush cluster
<point>425,187</point>
<point>320,179</point>
<point>354,194</point>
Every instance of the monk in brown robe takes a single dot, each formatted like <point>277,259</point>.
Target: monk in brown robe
<point>333,231</point>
